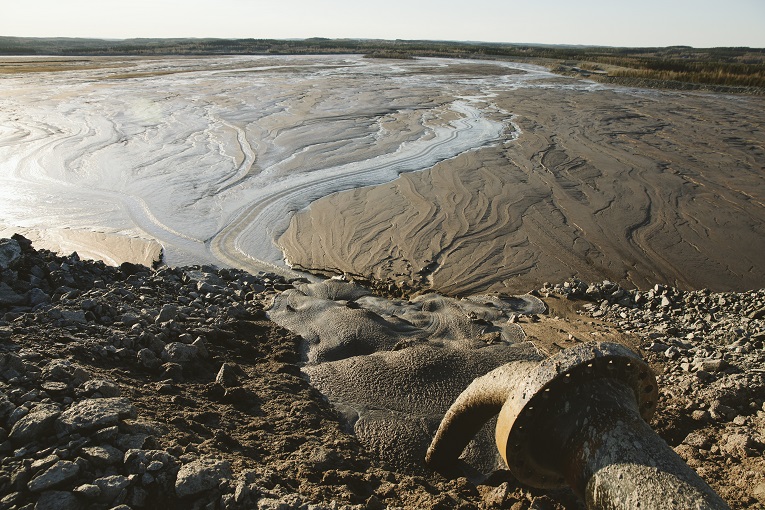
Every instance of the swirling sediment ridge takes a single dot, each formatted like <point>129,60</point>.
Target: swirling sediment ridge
<point>268,213</point>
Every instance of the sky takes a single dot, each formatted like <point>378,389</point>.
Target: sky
<point>698,23</point>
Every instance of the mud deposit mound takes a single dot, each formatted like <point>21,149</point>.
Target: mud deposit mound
<point>171,389</point>
<point>640,187</point>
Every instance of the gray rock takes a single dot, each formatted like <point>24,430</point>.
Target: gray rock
<point>58,474</point>
<point>44,463</point>
<point>200,476</point>
<point>130,319</point>
<point>172,371</point>
<point>148,359</point>
<point>77,316</point>
<point>10,253</point>
<point>104,387</point>
<point>138,497</point>
<point>167,313</point>
<point>201,347</point>
<point>102,456</point>
<point>111,487</point>
<point>9,297</point>
<point>140,461</point>
<point>36,424</point>
<point>88,490</point>
<point>57,500</point>
<point>38,297</point>
<point>178,352</point>
<point>94,414</point>
<point>11,365</point>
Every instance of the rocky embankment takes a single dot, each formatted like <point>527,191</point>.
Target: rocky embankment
<point>133,388</point>
<point>709,352</point>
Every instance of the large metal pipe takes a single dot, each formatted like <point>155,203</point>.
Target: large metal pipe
<point>577,419</point>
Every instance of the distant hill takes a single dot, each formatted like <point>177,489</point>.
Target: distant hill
<point>672,67</point>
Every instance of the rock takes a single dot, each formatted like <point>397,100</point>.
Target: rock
<point>140,461</point>
<point>130,319</point>
<point>200,476</point>
<point>167,313</point>
<point>57,500</point>
<point>496,498</point>
<point>757,314</point>
<point>54,387</point>
<point>36,424</point>
<point>172,371</point>
<point>111,487</point>
<point>104,387</point>
<point>759,492</point>
<point>11,366</point>
<point>228,376</point>
<point>58,474</point>
<point>738,445</point>
<point>178,352</point>
<point>712,365</point>
<point>720,411</point>
<point>94,414</point>
<point>10,253</point>
<point>9,297</point>
<point>88,490</point>
<point>697,440</point>
<point>44,463</point>
<point>701,415</point>
<point>102,456</point>
<point>148,359</point>
<point>38,297</point>
<point>76,316</point>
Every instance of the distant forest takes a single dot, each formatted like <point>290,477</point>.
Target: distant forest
<point>723,69</point>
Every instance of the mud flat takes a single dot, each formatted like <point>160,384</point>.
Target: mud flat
<point>210,157</point>
<point>448,174</point>
<point>634,186</point>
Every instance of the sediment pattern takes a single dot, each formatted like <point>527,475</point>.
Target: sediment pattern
<point>635,186</point>
<point>211,156</point>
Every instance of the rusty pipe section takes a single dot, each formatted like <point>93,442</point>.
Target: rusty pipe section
<point>577,419</point>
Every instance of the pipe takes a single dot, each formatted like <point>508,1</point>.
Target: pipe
<point>577,419</point>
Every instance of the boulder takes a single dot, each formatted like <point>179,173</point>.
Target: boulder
<point>9,297</point>
<point>178,352</point>
<point>96,413</point>
<point>57,500</point>
<point>102,456</point>
<point>58,474</point>
<point>167,313</point>
<point>36,424</point>
<point>201,475</point>
<point>111,487</point>
<point>10,253</point>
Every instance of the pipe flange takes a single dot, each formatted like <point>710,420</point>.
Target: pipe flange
<point>550,379</point>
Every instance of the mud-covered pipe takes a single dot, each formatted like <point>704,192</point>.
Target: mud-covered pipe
<point>578,419</point>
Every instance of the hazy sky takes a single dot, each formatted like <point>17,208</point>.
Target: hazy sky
<point>700,23</point>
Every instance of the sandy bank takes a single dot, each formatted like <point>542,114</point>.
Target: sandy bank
<point>111,248</point>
